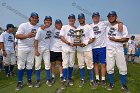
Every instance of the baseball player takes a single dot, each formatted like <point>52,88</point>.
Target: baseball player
<point>99,46</point>
<point>68,50</point>
<point>25,35</point>
<point>42,50</point>
<point>7,46</point>
<point>131,49</point>
<point>56,50</point>
<point>84,51</point>
<point>115,52</point>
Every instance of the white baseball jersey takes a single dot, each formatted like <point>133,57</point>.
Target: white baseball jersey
<point>113,31</point>
<point>86,35</point>
<point>25,28</point>
<point>44,36</point>
<point>67,32</point>
<point>8,40</point>
<point>56,43</point>
<point>100,34</point>
<point>132,44</point>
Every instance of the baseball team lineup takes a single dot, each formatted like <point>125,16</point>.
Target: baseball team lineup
<point>97,44</point>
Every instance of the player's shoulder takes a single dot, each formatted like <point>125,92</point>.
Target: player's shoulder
<point>88,26</point>
<point>24,24</point>
<point>4,33</point>
<point>65,27</point>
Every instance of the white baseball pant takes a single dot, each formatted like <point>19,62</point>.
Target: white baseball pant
<point>45,54</point>
<point>10,59</point>
<point>85,57</point>
<point>116,55</point>
<point>68,59</point>
<point>25,58</point>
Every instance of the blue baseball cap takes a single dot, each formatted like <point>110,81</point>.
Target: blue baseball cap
<point>48,17</point>
<point>95,14</point>
<point>58,21</point>
<point>112,13</point>
<point>9,26</point>
<point>71,16</point>
<point>34,14</point>
<point>81,16</point>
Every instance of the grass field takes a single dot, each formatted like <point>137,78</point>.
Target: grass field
<point>7,85</point>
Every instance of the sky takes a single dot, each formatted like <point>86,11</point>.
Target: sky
<point>18,11</point>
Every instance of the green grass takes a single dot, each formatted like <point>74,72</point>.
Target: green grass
<point>7,85</point>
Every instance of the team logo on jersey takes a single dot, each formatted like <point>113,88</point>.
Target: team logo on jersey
<point>56,35</point>
<point>71,33</point>
<point>10,39</point>
<point>96,30</point>
<point>132,42</point>
<point>111,32</point>
<point>33,31</point>
<point>48,34</point>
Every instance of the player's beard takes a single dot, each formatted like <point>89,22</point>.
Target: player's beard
<point>113,22</point>
<point>82,23</point>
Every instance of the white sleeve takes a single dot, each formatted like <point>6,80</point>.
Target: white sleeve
<point>2,37</point>
<point>21,29</point>
<point>62,31</point>
<point>125,32</point>
<point>38,34</point>
<point>91,34</point>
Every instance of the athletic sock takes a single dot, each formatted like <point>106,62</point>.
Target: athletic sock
<point>20,75</point>
<point>82,73</point>
<point>0,65</point>
<point>70,69</point>
<point>61,75</point>
<point>38,75</point>
<point>103,78</point>
<point>97,77</point>
<point>48,76</point>
<point>123,79</point>
<point>90,71</point>
<point>6,69</point>
<point>29,74</point>
<point>65,74</point>
<point>110,76</point>
<point>11,68</point>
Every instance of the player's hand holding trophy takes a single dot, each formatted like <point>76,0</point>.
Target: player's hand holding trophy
<point>78,34</point>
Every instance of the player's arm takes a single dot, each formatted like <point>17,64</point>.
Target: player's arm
<point>65,41</point>
<point>62,34</point>
<point>120,24</point>
<point>36,48</point>
<point>37,37</point>
<point>24,36</point>
<point>121,40</point>
<point>91,38</point>
<point>2,45</point>
<point>3,49</point>
<point>20,34</point>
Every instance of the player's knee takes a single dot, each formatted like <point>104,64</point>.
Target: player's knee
<point>29,66</point>
<point>110,71</point>
<point>90,67</point>
<point>21,67</point>
<point>123,71</point>
<point>47,66</point>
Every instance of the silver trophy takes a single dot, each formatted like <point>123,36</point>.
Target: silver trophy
<point>77,37</point>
